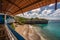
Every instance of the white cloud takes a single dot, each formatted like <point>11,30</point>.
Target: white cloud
<point>36,10</point>
<point>44,14</point>
<point>20,14</point>
<point>51,5</point>
<point>56,13</point>
<point>58,3</point>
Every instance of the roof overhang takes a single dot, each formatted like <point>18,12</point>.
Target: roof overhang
<point>13,7</point>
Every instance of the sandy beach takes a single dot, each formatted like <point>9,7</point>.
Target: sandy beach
<point>29,32</point>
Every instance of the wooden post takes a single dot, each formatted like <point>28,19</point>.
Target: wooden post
<point>55,4</point>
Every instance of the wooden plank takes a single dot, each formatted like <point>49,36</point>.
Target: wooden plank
<point>39,4</point>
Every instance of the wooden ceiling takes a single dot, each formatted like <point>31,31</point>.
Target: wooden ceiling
<point>13,7</point>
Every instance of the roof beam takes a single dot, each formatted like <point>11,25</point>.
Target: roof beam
<point>7,11</point>
<point>1,6</point>
<point>12,3</point>
<point>28,5</point>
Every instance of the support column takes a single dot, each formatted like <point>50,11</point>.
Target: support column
<point>55,4</point>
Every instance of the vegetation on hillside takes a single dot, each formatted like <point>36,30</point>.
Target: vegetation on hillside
<point>21,20</point>
<point>12,26</point>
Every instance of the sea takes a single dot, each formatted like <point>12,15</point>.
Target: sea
<point>51,30</point>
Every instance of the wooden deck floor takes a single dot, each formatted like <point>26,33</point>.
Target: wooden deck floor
<point>3,33</point>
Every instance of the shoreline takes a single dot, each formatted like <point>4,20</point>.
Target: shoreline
<point>29,32</point>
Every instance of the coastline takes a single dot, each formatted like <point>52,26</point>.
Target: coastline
<point>29,32</point>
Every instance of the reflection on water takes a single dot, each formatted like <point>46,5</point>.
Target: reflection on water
<point>52,29</point>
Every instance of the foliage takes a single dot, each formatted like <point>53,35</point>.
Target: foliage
<point>21,20</point>
<point>12,26</point>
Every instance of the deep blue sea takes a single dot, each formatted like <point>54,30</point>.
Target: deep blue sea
<point>52,29</point>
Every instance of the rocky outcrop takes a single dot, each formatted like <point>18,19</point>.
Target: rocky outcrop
<point>36,22</point>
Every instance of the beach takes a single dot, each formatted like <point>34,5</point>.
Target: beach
<point>29,32</point>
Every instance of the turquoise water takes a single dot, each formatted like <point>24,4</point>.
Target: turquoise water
<point>51,29</point>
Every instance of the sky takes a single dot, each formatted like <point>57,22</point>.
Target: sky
<point>47,12</point>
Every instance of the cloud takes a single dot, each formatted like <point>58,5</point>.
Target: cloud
<point>51,5</point>
<point>43,12</point>
<point>34,10</point>
<point>46,12</point>
<point>56,13</point>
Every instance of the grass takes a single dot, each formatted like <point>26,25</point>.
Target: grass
<point>12,26</point>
